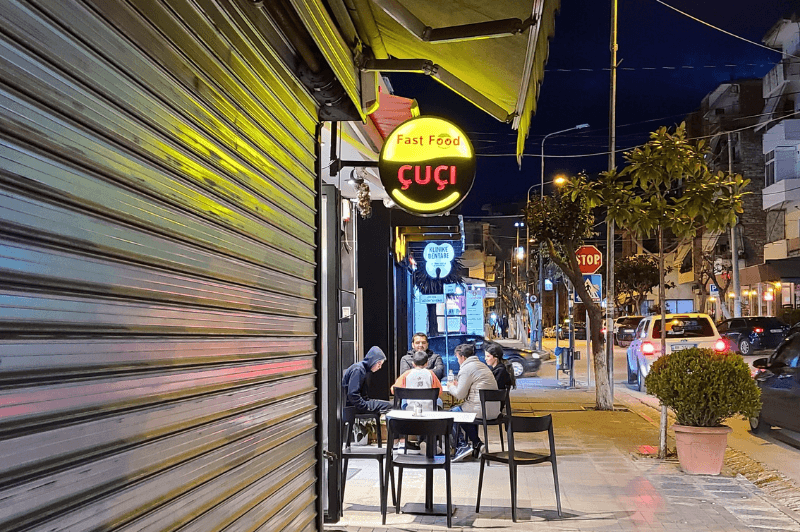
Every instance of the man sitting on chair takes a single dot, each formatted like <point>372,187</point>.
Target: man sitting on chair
<point>354,383</point>
<point>419,377</point>
<point>473,376</point>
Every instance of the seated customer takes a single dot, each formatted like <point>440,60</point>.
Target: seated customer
<point>419,377</point>
<point>354,383</point>
<point>472,377</point>
<point>494,359</point>
<point>419,342</point>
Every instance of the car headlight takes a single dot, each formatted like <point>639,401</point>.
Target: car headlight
<point>535,355</point>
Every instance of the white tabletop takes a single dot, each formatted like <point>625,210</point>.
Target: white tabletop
<point>458,417</point>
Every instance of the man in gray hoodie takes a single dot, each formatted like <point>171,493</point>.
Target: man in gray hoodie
<point>354,383</point>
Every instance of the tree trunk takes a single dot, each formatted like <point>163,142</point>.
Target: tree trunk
<point>603,399</point>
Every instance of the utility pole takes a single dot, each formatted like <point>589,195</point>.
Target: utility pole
<point>612,144</point>
<point>737,289</point>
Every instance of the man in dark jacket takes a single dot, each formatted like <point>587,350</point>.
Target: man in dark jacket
<point>419,342</point>
<point>354,383</point>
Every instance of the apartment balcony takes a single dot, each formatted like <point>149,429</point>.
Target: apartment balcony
<point>785,190</point>
<point>781,249</point>
<point>788,70</point>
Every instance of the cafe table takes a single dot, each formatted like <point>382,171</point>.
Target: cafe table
<point>458,417</point>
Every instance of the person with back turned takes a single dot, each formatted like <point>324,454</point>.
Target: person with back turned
<point>473,376</point>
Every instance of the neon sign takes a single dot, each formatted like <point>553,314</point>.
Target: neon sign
<point>427,165</point>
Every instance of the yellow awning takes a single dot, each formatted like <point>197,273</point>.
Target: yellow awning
<point>499,73</point>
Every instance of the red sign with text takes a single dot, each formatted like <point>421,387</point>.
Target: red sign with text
<point>589,259</point>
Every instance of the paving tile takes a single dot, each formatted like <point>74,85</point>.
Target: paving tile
<point>604,486</point>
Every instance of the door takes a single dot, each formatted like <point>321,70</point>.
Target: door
<point>158,204</point>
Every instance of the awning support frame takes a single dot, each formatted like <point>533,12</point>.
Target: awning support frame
<point>464,32</point>
<point>429,68</point>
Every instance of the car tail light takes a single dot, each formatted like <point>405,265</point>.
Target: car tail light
<point>720,346</point>
<point>603,331</point>
<point>758,330</point>
<point>648,348</point>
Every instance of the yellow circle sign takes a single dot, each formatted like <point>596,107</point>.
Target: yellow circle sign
<point>427,165</point>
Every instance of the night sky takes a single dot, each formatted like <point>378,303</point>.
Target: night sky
<point>669,62</point>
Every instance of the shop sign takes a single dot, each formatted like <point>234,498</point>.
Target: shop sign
<point>427,165</point>
<point>428,299</point>
<point>438,259</point>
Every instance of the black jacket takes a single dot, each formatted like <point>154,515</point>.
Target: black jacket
<point>435,363</point>
<point>354,380</point>
<point>501,376</point>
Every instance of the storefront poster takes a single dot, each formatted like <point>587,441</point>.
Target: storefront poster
<point>474,304</point>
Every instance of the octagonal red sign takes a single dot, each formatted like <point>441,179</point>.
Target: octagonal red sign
<point>589,259</point>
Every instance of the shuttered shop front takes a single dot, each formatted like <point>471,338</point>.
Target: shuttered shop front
<point>157,241</point>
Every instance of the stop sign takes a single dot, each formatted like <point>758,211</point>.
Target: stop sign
<point>589,259</point>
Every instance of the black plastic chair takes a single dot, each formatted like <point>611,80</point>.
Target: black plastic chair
<point>366,415</point>
<point>415,394</point>
<point>430,429</point>
<point>514,458</point>
<point>494,396</point>
<point>360,452</point>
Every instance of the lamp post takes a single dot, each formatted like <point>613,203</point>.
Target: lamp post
<point>517,253</point>
<point>540,288</point>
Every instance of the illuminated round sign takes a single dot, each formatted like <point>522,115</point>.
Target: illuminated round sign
<point>438,259</point>
<point>427,165</point>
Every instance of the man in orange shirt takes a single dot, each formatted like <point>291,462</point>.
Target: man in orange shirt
<point>419,377</point>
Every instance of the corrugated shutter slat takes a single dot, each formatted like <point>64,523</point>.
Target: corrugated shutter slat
<point>158,270</point>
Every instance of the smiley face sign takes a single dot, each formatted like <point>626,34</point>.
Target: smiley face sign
<point>427,165</point>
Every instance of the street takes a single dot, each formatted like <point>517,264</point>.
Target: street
<point>765,448</point>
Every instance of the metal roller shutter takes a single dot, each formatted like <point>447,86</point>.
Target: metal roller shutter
<point>157,259</point>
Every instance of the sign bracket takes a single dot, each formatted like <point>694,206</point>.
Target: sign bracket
<point>336,163</point>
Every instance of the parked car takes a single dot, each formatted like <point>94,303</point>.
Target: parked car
<point>754,333</point>
<point>524,361</point>
<point>682,331</point>
<point>624,328</point>
<point>550,332</point>
<point>778,377</point>
<point>446,346</point>
<point>580,331</point>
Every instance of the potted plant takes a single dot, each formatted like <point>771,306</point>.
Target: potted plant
<point>703,388</point>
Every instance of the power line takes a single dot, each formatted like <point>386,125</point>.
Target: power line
<point>650,69</point>
<point>597,154</point>
<point>717,28</point>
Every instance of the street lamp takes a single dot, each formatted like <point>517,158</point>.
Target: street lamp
<point>540,290</point>
<point>517,252</point>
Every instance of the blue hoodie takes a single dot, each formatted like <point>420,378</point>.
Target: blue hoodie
<point>354,381</point>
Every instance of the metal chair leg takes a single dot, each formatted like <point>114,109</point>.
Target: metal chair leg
<point>480,486</point>
<point>555,481</point>
<point>399,489</point>
<point>344,482</point>
<point>449,498</point>
<point>512,475</point>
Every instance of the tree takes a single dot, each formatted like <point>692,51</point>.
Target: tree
<point>635,277</point>
<point>561,223</point>
<point>666,186</point>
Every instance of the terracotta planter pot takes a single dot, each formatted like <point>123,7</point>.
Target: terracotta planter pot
<point>701,450</point>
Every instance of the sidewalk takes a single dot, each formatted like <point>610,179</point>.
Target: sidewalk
<point>608,481</point>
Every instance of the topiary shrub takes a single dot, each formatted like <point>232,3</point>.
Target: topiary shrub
<point>704,387</point>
